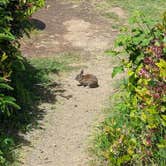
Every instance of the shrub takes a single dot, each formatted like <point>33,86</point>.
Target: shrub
<point>135,132</point>
<point>14,23</point>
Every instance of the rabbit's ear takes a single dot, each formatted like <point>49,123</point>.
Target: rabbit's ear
<point>82,71</point>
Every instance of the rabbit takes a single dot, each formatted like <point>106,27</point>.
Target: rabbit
<point>87,80</point>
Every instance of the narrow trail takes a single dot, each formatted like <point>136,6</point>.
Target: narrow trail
<point>69,123</point>
<point>64,141</point>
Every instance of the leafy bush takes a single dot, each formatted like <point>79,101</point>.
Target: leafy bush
<point>14,22</point>
<point>135,132</point>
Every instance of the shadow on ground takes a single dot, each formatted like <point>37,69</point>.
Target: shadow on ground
<point>31,88</point>
<point>37,24</point>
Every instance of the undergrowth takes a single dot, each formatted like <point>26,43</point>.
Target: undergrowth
<point>134,133</point>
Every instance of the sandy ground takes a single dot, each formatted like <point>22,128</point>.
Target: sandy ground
<point>69,123</point>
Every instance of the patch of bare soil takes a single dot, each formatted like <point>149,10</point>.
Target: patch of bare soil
<point>67,27</point>
<point>68,124</point>
<point>119,11</point>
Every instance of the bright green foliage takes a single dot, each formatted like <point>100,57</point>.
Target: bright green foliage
<point>14,22</point>
<point>135,133</point>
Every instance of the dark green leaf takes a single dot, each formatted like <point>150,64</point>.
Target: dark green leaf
<point>5,86</point>
<point>6,37</point>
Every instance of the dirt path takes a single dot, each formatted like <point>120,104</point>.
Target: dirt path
<point>69,123</point>
<point>67,128</point>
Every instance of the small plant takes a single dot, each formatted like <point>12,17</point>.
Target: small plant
<point>135,134</point>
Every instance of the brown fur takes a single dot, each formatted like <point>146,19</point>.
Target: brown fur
<point>87,80</point>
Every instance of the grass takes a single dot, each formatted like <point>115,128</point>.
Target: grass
<point>51,67</point>
<point>151,8</point>
<point>112,16</point>
<point>55,64</point>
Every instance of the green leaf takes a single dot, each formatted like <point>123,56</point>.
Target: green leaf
<point>116,70</point>
<point>4,2</point>
<point>8,141</point>
<point>6,37</point>
<point>4,57</point>
<point>1,79</point>
<point>5,86</point>
<point>145,42</point>
<point>112,52</point>
<point>13,104</point>
<point>123,159</point>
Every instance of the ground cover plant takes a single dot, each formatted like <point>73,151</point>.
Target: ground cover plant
<point>134,132</point>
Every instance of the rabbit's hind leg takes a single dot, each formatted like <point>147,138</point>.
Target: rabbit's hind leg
<point>93,85</point>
